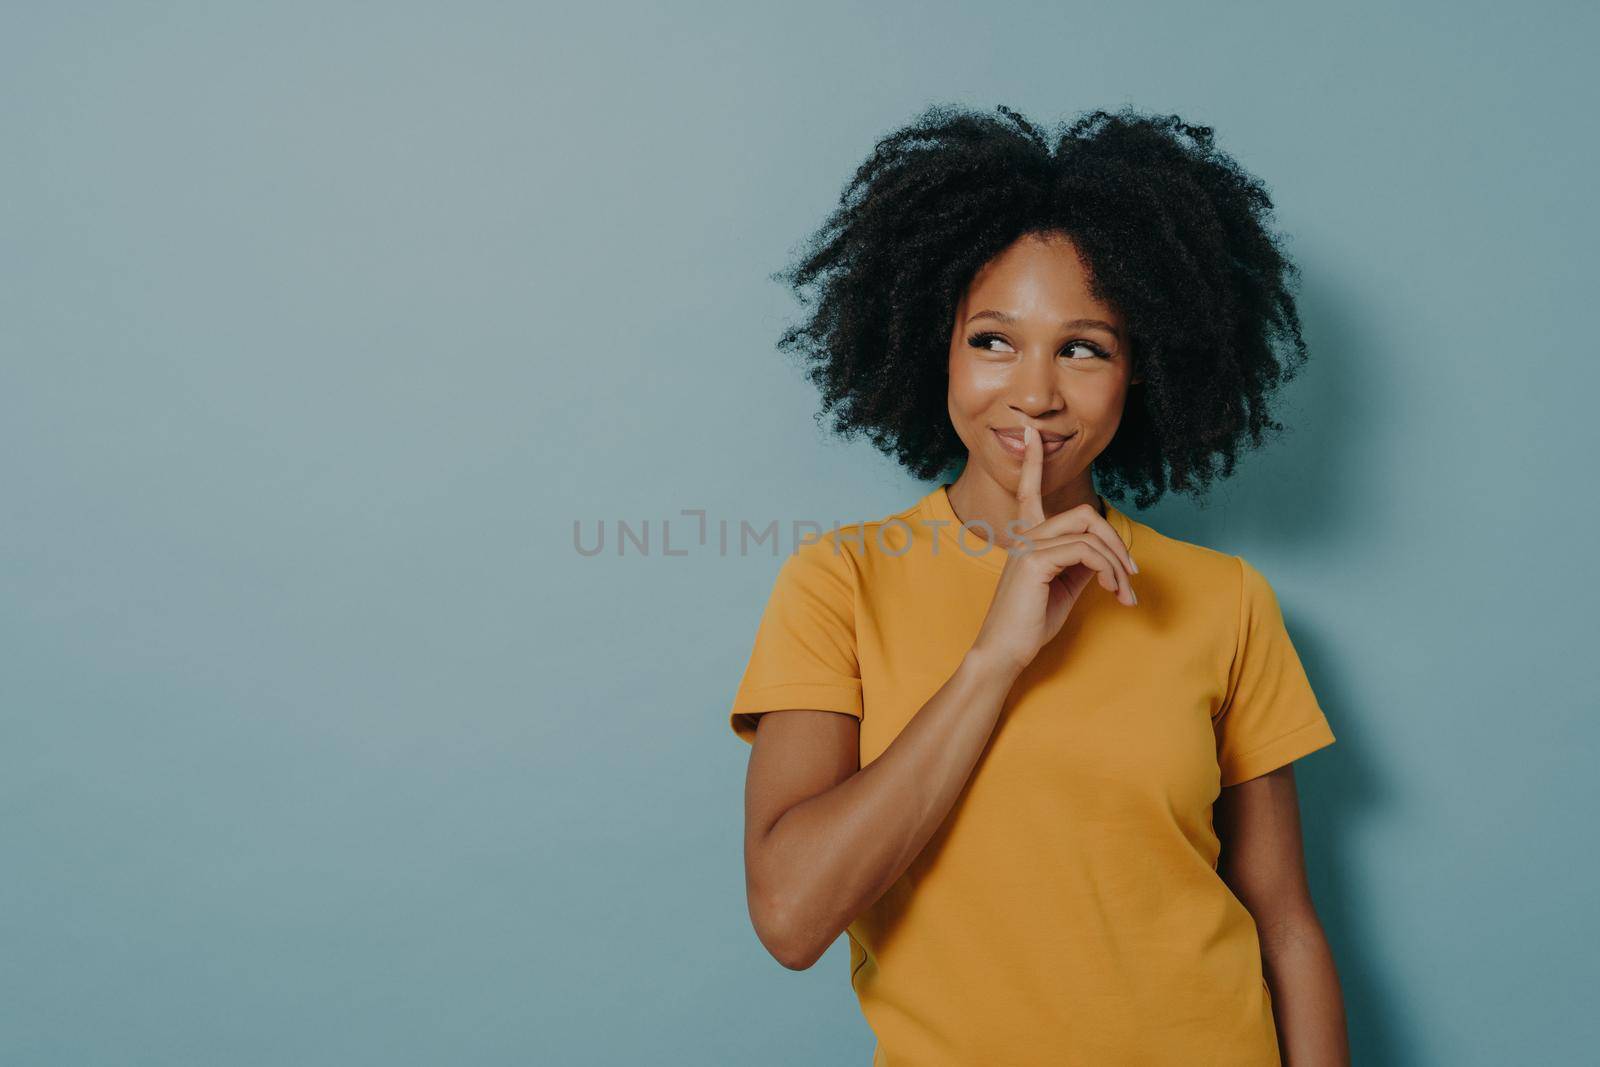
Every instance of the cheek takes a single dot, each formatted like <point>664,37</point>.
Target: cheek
<point>1103,407</point>
<point>968,395</point>
<point>973,385</point>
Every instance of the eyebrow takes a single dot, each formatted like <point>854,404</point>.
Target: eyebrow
<point>1070,324</point>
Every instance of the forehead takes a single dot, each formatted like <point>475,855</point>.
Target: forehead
<point>1037,275</point>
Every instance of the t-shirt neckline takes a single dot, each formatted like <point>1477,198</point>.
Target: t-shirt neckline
<point>971,545</point>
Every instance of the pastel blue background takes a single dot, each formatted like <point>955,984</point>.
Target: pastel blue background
<point>322,323</point>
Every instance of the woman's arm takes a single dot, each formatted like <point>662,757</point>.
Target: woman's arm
<point>824,837</point>
<point>1263,862</point>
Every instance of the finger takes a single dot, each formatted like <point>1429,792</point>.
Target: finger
<point>1115,579</point>
<point>1083,518</point>
<point>1030,504</point>
<point>1058,557</point>
<point>1054,562</point>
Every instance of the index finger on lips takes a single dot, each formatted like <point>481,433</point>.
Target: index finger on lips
<point>1030,505</point>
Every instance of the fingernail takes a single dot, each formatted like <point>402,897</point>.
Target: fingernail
<point>1135,564</point>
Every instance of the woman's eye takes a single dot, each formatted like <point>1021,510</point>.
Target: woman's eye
<point>1095,351</point>
<point>984,340</point>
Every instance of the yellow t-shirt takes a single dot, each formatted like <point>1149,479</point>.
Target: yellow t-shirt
<point>1068,910</point>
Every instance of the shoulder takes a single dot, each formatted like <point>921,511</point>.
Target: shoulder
<point>1193,568</point>
<point>1224,585</point>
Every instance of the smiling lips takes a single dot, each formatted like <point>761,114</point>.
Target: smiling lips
<point>1011,441</point>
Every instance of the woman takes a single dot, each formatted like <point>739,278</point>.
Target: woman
<point>1031,755</point>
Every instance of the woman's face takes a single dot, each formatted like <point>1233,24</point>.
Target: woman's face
<point>1031,346</point>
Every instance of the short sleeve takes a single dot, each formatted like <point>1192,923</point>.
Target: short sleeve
<point>805,647</point>
<point>1269,716</point>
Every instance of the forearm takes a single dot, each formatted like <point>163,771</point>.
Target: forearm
<point>1306,1000</point>
<point>836,853</point>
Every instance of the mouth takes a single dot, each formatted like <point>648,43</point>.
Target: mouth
<point>1011,441</point>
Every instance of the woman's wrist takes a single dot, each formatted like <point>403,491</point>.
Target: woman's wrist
<point>990,666</point>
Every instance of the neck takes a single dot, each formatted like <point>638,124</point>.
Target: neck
<point>977,497</point>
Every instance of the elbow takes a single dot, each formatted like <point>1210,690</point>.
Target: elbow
<point>796,954</point>
<point>782,936</point>
<point>800,952</point>
<point>795,958</point>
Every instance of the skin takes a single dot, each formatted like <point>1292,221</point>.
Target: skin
<point>825,837</point>
<point>1034,370</point>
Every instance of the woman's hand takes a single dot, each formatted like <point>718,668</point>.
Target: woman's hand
<point>1048,567</point>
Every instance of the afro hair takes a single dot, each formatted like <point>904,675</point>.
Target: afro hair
<point>1175,234</point>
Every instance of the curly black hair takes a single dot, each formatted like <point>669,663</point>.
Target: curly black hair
<point>1175,234</point>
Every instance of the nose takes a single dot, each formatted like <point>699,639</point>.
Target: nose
<point>1036,392</point>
